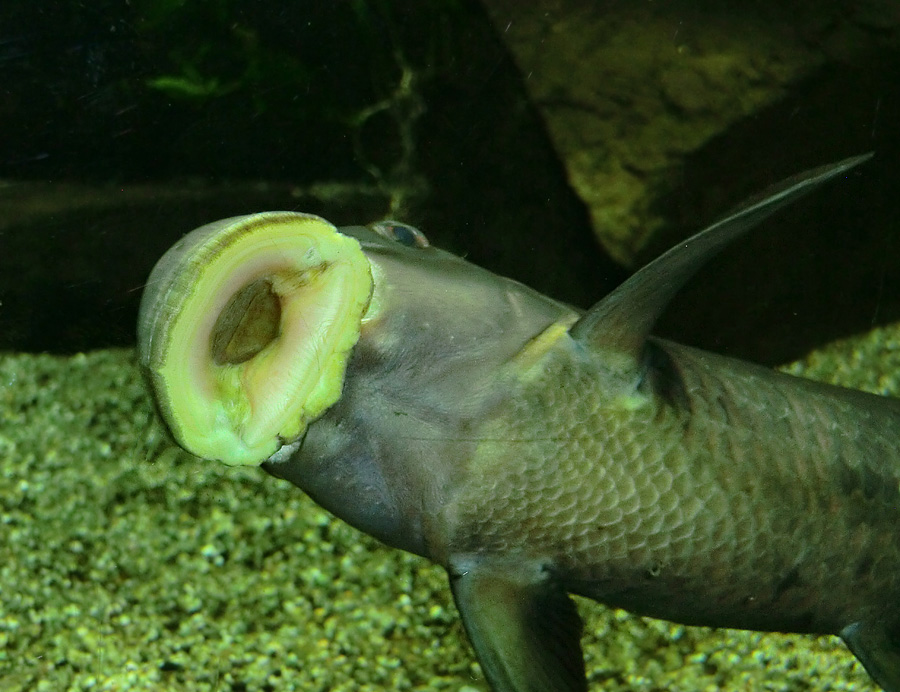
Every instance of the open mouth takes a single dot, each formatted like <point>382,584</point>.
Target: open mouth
<point>245,329</point>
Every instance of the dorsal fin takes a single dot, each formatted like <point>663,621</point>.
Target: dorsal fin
<point>622,321</point>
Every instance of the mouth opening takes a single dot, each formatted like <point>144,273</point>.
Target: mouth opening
<point>248,329</point>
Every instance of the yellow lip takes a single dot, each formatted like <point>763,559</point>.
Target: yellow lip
<point>245,330</point>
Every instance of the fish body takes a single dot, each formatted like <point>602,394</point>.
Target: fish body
<point>728,495</point>
<point>535,451</point>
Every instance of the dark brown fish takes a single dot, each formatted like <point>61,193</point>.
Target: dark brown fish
<point>531,450</point>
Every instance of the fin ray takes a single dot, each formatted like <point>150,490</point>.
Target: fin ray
<point>878,649</point>
<point>525,629</point>
<point>622,320</point>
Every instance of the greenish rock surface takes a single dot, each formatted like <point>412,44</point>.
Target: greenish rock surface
<point>629,91</point>
<point>125,565</point>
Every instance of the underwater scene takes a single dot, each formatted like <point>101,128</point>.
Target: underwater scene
<point>449,345</point>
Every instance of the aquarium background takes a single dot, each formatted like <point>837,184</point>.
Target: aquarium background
<point>563,143</point>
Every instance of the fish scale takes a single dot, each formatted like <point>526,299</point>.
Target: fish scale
<point>741,483</point>
<point>534,451</point>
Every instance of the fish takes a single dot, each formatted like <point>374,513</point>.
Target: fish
<point>531,449</point>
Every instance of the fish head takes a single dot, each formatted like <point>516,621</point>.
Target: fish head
<point>351,362</point>
<point>440,325</point>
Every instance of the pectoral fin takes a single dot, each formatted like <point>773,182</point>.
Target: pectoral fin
<point>525,630</point>
<point>622,321</point>
<point>878,648</point>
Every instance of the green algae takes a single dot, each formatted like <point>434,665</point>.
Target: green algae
<point>126,565</point>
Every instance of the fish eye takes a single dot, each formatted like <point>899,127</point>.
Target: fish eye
<point>407,235</point>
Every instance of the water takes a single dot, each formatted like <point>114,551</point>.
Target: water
<point>561,143</point>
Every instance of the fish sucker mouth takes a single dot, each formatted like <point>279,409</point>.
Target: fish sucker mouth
<point>245,329</point>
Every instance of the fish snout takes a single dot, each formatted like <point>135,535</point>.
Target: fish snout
<point>245,329</point>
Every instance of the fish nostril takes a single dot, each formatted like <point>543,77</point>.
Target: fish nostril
<point>249,322</point>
